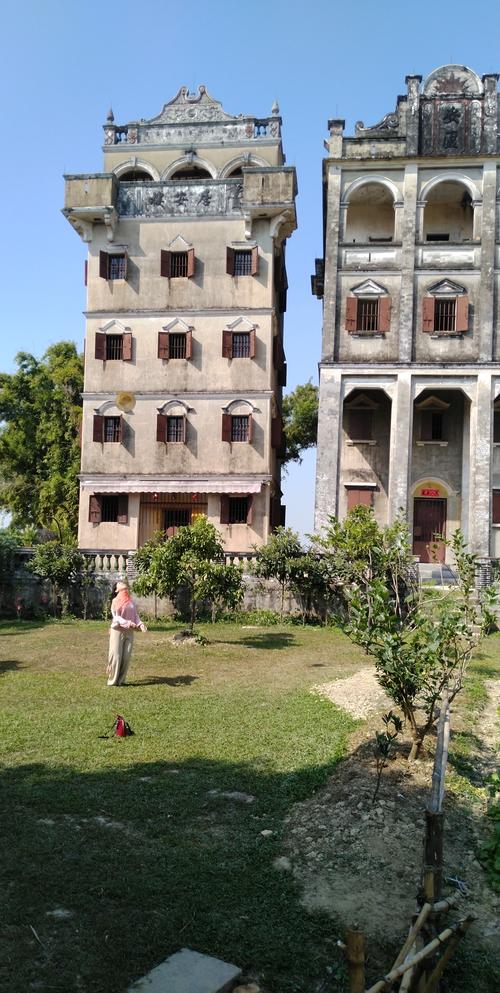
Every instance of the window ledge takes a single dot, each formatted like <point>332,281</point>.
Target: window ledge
<point>360,441</point>
<point>366,334</point>
<point>447,334</point>
<point>495,525</point>
<point>496,444</point>
<point>439,444</point>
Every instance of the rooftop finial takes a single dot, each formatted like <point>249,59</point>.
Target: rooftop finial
<point>275,109</point>
<point>110,118</point>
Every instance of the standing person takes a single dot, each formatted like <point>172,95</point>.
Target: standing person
<point>125,620</point>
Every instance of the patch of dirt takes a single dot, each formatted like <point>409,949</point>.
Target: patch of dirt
<point>360,694</point>
<point>360,860</point>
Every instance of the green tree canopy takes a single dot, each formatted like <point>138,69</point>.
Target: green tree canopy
<point>40,407</point>
<point>300,421</point>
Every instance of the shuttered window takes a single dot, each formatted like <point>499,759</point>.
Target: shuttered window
<point>176,429</point>
<point>242,261</point>
<point>357,497</point>
<point>368,315</point>
<point>240,427</point>
<point>108,508</point>
<point>114,346</point>
<point>445,316</point>
<point>495,518</point>
<point>177,265</point>
<point>360,425</point>
<point>177,346</point>
<point>236,509</point>
<point>112,429</point>
<point>113,265</point>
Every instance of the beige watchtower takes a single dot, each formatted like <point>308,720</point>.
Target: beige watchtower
<point>184,353</point>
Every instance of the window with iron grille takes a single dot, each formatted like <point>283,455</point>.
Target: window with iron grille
<point>432,425</point>
<point>177,346</point>
<point>117,266</point>
<point>367,314</point>
<point>175,428</point>
<point>114,346</point>
<point>179,264</point>
<point>445,315</point>
<point>238,510</point>
<point>241,344</point>
<point>176,517</point>
<point>242,263</point>
<point>239,427</point>
<point>109,508</point>
<point>112,429</point>
<point>496,426</point>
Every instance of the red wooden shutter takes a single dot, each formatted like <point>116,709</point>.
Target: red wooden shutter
<point>252,343</point>
<point>94,509</point>
<point>184,429</point>
<point>276,432</point>
<point>356,497</point>
<point>191,262</point>
<point>165,263</point>
<point>428,306</point>
<point>255,260</point>
<point>85,272</point>
<point>426,425</point>
<point>495,516</point>
<point>100,345</point>
<point>230,261</point>
<point>496,426</point>
<point>127,346</point>
<point>189,344</point>
<point>224,509</point>
<point>98,428</point>
<point>351,314</point>
<point>163,345</point>
<point>384,314</point>
<point>249,509</point>
<point>227,344</point>
<point>103,265</point>
<point>250,429</point>
<point>226,427</point>
<point>462,323</point>
<point>125,257</point>
<point>121,430</point>
<point>161,427</point>
<point>122,508</point>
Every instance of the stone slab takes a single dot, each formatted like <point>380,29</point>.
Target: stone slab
<point>189,972</point>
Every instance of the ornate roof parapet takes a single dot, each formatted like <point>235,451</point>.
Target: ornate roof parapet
<point>452,112</point>
<point>194,118</point>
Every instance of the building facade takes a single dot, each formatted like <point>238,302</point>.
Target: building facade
<point>410,370</point>
<point>184,357</point>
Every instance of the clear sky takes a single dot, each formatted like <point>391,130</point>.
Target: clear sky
<point>62,64</point>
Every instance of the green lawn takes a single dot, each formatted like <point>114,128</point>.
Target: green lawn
<point>123,834</point>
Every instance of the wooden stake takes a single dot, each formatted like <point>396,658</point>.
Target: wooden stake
<point>395,974</point>
<point>439,968</point>
<point>412,934</point>
<point>355,954</point>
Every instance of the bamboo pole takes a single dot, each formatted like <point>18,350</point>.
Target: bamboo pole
<point>412,934</point>
<point>355,955</point>
<point>441,757</point>
<point>428,949</point>
<point>440,966</point>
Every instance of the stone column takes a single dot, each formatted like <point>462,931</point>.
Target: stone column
<point>481,418</point>
<point>329,429</point>
<point>401,445</point>
<point>408,264</point>
<point>485,307</point>
<point>331,257</point>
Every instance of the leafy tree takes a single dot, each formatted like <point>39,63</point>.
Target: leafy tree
<point>309,582</point>
<point>421,642</point>
<point>300,421</point>
<point>192,561</point>
<point>62,565</point>
<point>40,407</point>
<point>276,559</point>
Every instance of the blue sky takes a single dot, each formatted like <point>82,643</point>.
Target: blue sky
<point>62,64</point>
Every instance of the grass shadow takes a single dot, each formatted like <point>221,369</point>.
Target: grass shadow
<point>164,680</point>
<point>8,665</point>
<point>268,640</point>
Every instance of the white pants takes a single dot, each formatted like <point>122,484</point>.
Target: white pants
<point>121,643</point>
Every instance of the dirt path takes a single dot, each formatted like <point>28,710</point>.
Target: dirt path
<point>360,861</point>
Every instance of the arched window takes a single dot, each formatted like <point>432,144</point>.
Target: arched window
<point>370,215</point>
<point>191,172</point>
<point>135,176</point>
<point>448,213</point>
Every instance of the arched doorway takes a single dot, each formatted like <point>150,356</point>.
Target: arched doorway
<point>430,512</point>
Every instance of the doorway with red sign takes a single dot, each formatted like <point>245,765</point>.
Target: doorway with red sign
<point>429,527</point>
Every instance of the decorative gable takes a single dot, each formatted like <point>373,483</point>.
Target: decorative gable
<point>368,288</point>
<point>432,403</point>
<point>179,244</point>
<point>241,324</point>
<point>446,287</point>
<point>177,325</point>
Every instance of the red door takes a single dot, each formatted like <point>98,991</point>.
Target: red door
<point>429,524</point>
